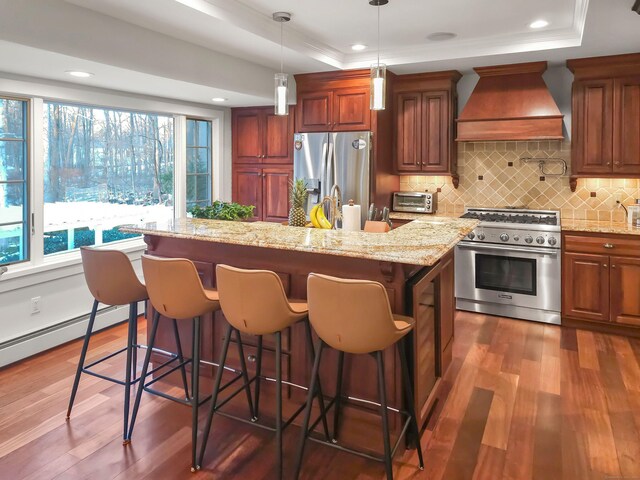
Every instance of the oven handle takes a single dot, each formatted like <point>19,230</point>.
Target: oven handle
<point>479,246</point>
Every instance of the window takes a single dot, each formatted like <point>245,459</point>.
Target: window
<point>103,168</point>
<point>14,226</point>
<point>198,162</point>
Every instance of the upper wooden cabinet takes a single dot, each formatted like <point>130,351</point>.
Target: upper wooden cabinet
<point>333,102</point>
<point>260,136</point>
<point>425,107</point>
<point>606,117</point>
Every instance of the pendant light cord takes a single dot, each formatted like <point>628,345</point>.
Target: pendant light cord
<point>378,35</point>
<point>281,49</point>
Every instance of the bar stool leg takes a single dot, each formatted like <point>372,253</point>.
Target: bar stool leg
<point>279,400</point>
<point>307,411</point>
<point>183,370</point>
<point>245,376</point>
<point>258,373</point>
<point>134,350</point>
<point>143,375</point>
<point>133,307</point>
<point>320,395</point>
<point>214,397</point>
<point>336,415</point>
<point>83,356</point>
<point>408,391</point>
<point>195,391</point>
<point>382,392</point>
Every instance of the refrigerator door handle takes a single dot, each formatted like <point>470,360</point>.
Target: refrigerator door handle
<point>329,170</point>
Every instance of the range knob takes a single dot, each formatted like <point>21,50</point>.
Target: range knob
<point>528,239</point>
<point>481,236</point>
<point>504,237</point>
<point>540,240</point>
<point>552,241</point>
<point>471,235</point>
<point>516,238</point>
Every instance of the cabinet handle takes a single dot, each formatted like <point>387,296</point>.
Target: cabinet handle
<point>608,245</point>
<point>605,265</point>
<point>251,358</point>
<point>257,156</point>
<point>613,266</point>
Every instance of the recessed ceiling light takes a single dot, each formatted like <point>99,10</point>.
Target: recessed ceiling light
<point>358,47</point>
<point>218,99</point>
<point>79,74</point>
<point>441,36</point>
<point>539,24</point>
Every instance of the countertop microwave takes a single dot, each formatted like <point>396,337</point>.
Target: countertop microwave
<point>415,202</point>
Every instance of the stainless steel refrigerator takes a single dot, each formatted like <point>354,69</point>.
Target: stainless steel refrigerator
<point>329,158</point>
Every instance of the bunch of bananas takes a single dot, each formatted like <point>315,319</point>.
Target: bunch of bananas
<point>318,219</point>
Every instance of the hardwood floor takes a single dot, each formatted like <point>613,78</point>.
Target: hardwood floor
<point>528,401</point>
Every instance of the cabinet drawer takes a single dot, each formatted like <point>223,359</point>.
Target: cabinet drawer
<point>608,245</point>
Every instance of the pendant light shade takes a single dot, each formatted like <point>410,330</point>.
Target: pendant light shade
<point>281,92</point>
<point>378,80</point>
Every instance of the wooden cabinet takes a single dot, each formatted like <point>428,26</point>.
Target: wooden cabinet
<point>259,136</point>
<point>266,188</point>
<point>336,110</point>
<point>601,274</point>
<point>606,117</point>
<point>425,107</point>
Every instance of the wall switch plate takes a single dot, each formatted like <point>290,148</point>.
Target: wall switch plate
<point>35,305</point>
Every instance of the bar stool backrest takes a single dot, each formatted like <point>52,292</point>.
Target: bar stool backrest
<point>353,316</point>
<point>254,301</point>
<point>175,289</point>
<point>110,277</point>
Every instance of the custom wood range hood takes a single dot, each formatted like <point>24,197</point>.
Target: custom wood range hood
<point>510,102</point>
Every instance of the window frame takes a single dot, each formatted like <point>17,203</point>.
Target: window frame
<point>27,216</point>
<point>210,161</point>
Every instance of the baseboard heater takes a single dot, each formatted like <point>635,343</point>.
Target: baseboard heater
<point>50,337</point>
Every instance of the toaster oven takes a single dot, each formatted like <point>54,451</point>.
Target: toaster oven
<point>416,202</point>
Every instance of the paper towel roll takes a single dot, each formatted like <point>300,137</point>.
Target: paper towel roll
<point>351,218</point>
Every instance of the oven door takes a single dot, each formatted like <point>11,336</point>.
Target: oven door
<point>509,275</point>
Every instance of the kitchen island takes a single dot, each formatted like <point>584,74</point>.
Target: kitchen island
<point>414,263</point>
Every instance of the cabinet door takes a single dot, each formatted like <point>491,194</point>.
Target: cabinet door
<point>276,194</point>
<point>593,133</point>
<point>247,189</point>
<point>247,136</point>
<point>586,286</point>
<point>351,110</point>
<point>625,299</point>
<point>408,126</point>
<point>278,137</point>
<point>435,132</point>
<point>446,314</point>
<point>626,148</point>
<point>315,112</point>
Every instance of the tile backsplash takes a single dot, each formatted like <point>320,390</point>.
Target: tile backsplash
<point>492,174</point>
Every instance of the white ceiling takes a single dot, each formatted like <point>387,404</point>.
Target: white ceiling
<point>197,49</point>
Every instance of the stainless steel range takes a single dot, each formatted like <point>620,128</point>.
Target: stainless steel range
<point>510,264</point>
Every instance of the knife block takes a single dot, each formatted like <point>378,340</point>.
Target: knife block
<point>372,226</point>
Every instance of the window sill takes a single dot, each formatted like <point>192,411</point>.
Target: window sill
<point>57,266</point>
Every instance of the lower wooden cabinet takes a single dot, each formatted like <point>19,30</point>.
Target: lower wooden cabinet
<point>601,279</point>
<point>266,188</point>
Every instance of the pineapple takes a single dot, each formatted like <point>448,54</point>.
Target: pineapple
<point>298,197</point>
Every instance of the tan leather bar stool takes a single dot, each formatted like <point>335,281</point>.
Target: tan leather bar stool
<point>112,281</point>
<point>268,312</point>
<point>176,292</point>
<point>354,317</point>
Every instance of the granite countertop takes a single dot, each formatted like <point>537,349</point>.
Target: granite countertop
<point>599,226</point>
<point>420,242</point>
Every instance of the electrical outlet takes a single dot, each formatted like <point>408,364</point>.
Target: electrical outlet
<point>617,197</point>
<point>35,305</point>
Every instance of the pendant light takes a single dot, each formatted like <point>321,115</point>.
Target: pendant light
<point>281,100</point>
<point>378,70</point>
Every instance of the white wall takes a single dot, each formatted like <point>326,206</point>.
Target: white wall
<point>65,299</point>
